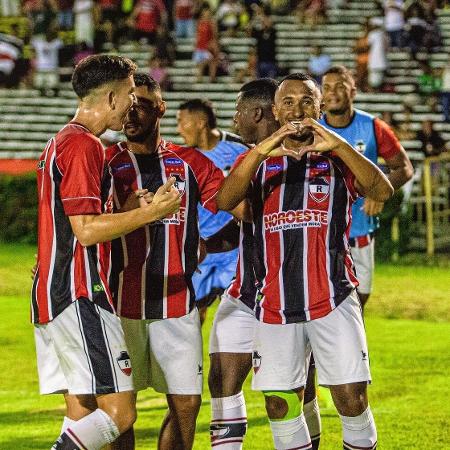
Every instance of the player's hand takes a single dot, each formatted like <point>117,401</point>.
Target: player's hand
<point>272,146</point>
<point>140,197</point>
<point>325,140</point>
<point>372,207</point>
<point>166,201</point>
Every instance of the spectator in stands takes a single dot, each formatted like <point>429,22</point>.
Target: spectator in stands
<point>249,71</point>
<point>263,30</point>
<point>433,36</point>
<point>206,46</point>
<point>415,27</point>
<point>84,21</point>
<point>108,21</point>
<point>377,61</point>
<point>445,92</point>
<point>183,14</point>
<point>429,84</point>
<point>432,142</point>
<point>394,21</point>
<point>82,50</point>
<point>42,15</point>
<point>65,14</point>
<point>318,63</point>
<point>146,17</point>
<point>311,12</point>
<point>11,48</point>
<point>228,16</point>
<point>159,73</point>
<point>361,50</point>
<point>46,77</point>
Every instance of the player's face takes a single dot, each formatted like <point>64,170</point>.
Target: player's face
<point>188,123</point>
<point>243,123</point>
<point>123,100</point>
<point>143,117</point>
<point>296,100</point>
<point>338,93</point>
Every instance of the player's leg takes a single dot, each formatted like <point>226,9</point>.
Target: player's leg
<point>230,348</point>
<point>364,260</point>
<point>280,362</point>
<point>343,364</point>
<point>311,406</point>
<point>93,356</point>
<point>176,369</point>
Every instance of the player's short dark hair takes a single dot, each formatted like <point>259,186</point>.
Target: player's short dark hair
<point>97,70</point>
<point>340,70</point>
<point>261,90</point>
<point>201,105</point>
<point>299,76</point>
<point>144,79</point>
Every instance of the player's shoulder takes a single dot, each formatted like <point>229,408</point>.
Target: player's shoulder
<point>361,115</point>
<point>177,154</point>
<point>114,151</point>
<point>77,136</point>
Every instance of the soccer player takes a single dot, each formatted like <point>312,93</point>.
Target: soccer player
<point>197,125</point>
<point>152,267</point>
<point>373,138</point>
<point>301,182</point>
<point>80,346</point>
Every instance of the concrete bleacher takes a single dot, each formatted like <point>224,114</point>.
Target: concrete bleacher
<point>28,120</point>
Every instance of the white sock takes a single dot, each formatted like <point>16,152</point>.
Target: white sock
<point>359,432</point>
<point>66,424</point>
<point>312,417</point>
<point>94,431</point>
<point>288,434</point>
<point>229,422</point>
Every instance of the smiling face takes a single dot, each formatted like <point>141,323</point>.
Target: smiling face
<point>296,100</point>
<point>122,97</point>
<point>338,93</point>
<point>143,118</point>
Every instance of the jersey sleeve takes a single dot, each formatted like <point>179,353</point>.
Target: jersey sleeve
<point>388,145</point>
<point>81,163</point>
<point>210,180</point>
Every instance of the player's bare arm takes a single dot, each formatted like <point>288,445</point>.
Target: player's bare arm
<point>401,170</point>
<point>92,229</point>
<point>370,180</point>
<point>236,184</point>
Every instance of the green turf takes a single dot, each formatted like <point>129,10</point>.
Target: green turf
<point>409,360</point>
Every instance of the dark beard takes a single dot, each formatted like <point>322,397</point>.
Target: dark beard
<point>137,138</point>
<point>337,112</point>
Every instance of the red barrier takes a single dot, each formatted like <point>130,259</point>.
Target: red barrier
<point>17,166</point>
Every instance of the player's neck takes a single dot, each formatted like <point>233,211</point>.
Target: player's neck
<point>148,147</point>
<point>209,139</point>
<point>339,120</point>
<point>91,119</point>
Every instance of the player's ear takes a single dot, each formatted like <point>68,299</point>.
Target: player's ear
<point>275,112</point>
<point>112,100</point>
<point>258,114</point>
<point>162,108</point>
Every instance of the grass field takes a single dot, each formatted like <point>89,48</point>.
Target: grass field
<point>408,326</point>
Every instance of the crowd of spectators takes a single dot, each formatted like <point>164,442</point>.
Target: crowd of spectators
<point>59,33</point>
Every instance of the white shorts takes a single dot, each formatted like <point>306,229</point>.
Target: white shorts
<point>83,351</point>
<point>233,327</point>
<point>166,354</point>
<point>200,56</point>
<point>338,340</point>
<point>364,259</point>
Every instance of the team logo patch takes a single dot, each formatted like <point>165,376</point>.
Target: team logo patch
<point>360,145</point>
<point>273,167</point>
<point>173,162</point>
<point>218,431</point>
<point>41,164</point>
<point>124,363</point>
<point>123,166</point>
<point>180,183</point>
<point>319,189</point>
<point>322,165</point>
<point>256,361</point>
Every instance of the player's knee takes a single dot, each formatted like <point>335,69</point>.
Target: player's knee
<point>186,406</point>
<point>123,414</point>
<point>350,399</point>
<point>283,405</point>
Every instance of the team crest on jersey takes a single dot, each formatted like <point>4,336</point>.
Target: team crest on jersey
<point>256,361</point>
<point>41,164</point>
<point>173,162</point>
<point>180,183</point>
<point>124,363</point>
<point>360,145</point>
<point>319,189</point>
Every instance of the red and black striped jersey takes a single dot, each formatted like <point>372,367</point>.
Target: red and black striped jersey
<point>73,179</point>
<point>152,267</point>
<point>301,217</point>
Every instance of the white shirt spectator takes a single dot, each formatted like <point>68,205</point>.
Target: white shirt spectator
<point>84,21</point>
<point>394,18</point>
<point>47,54</point>
<point>377,51</point>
